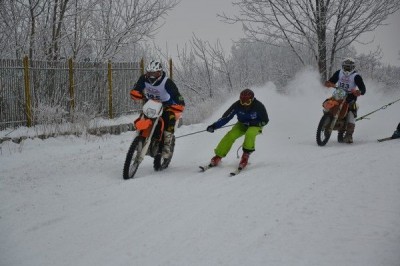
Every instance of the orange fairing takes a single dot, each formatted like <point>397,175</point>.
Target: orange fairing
<point>329,104</point>
<point>142,124</point>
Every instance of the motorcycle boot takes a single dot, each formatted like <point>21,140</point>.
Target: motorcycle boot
<point>340,136</point>
<point>167,147</point>
<point>348,137</point>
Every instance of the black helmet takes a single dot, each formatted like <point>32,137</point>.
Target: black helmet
<point>246,97</point>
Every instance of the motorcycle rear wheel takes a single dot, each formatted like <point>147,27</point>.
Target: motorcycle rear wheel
<point>323,133</point>
<point>131,163</point>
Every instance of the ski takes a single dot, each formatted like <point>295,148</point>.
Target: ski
<point>204,168</point>
<point>385,139</point>
<point>236,172</point>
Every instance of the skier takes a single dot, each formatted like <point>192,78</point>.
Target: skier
<point>252,117</point>
<point>348,79</point>
<point>396,133</point>
<point>154,84</point>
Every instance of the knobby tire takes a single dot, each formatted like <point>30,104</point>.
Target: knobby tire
<point>322,135</point>
<point>161,163</point>
<point>130,165</point>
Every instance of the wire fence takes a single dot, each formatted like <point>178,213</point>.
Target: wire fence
<point>31,91</point>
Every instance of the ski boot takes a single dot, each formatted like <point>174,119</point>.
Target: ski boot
<point>215,160</point>
<point>244,160</point>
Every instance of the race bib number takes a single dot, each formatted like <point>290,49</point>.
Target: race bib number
<point>153,94</point>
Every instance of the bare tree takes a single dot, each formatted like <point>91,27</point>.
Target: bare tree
<point>12,19</point>
<point>223,64</point>
<point>200,50</point>
<point>188,71</point>
<point>57,14</point>
<point>125,22</point>
<point>52,29</point>
<point>34,11</point>
<point>312,26</point>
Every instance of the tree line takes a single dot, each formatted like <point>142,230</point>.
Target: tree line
<point>282,36</point>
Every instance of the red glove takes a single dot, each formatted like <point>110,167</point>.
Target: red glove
<point>176,108</point>
<point>329,84</point>
<point>356,92</point>
<point>136,95</point>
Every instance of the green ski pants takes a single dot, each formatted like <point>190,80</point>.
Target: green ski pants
<point>236,132</point>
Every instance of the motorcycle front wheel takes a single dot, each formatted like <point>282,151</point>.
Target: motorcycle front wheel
<point>131,162</point>
<point>161,163</point>
<point>323,133</point>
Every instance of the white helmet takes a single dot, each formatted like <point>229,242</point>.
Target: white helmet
<point>154,66</point>
<point>348,66</point>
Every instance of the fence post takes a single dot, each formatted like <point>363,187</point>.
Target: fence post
<point>110,99</point>
<point>28,104</point>
<point>170,68</point>
<point>142,66</point>
<point>71,85</point>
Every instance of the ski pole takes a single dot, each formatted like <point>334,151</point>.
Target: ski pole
<point>381,108</point>
<point>199,132</point>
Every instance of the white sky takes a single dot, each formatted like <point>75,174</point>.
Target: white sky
<point>388,38</point>
<point>199,17</point>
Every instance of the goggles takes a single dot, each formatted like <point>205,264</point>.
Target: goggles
<point>155,74</point>
<point>246,102</point>
<point>347,68</point>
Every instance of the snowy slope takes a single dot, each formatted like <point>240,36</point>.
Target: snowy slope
<point>63,200</point>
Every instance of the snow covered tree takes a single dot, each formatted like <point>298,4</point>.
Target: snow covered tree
<point>321,27</point>
<point>93,29</point>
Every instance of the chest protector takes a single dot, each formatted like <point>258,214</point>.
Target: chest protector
<point>347,82</point>
<point>158,92</point>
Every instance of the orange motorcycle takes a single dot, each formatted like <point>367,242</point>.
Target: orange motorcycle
<point>149,129</point>
<point>335,111</point>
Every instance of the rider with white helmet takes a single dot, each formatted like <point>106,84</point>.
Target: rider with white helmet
<point>155,84</point>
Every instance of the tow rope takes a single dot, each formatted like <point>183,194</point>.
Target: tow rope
<point>381,108</point>
<point>199,132</point>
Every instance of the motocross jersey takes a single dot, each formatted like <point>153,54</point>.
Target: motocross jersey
<point>347,82</point>
<point>157,92</point>
<point>164,90</point>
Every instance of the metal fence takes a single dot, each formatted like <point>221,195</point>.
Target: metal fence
<point>30,88</point>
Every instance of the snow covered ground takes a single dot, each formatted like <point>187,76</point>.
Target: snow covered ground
<point>63,200</point>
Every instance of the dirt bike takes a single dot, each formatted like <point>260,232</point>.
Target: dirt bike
<point>335,111</point>
<point>149,128</point>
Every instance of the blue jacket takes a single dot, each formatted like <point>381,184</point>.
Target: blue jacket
<point>253,115</point>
